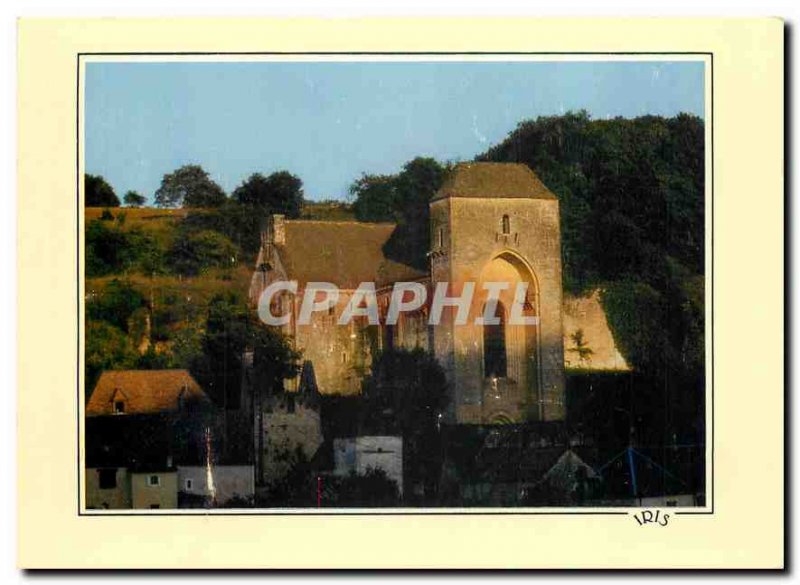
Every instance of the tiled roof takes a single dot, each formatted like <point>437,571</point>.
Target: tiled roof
<point>143,391</point>
<point>345,253</point>
<point>493,180</point>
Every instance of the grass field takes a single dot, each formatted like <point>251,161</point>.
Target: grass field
<point>162,225</point>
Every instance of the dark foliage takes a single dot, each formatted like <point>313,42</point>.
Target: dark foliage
<point>107,348</point>
<point>189,186</point>
<point>372,489</point>
<point>192,252</point>
<point>98,193</point>
<point>375,198</point>
<point>404,199</point>
<point>406,394</point>
<point>297,488</point>
<point>133,199</point>
<point>113,250</point>
<point>230,330</point>
<point>631,191</point>
<point>631,195</point>
<point>239,223</point>
<point>116,304</point>
<point>281,192</point>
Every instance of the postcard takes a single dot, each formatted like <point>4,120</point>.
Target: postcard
<point>401,294</point>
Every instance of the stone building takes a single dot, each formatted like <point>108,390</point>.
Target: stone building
<point>285,424</point>
<point>490,222</point>
<point>498,223</point>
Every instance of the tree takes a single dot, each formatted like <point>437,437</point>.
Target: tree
<point>415,186</point>
<point>375,198</point>
<point>581,347</point>
<point>193,252</point>
<point>631,194</point>
<point>372,489</point>
<point>230,330</point>
<point>403,198</point>
<point>98,193</point>
<point>281,192</point>
<point>111,249</point>
<point>115,304</point>
<point>189,186</point>
<point>107,348</point>
<point>133,199</point>
<point>406,390</point>
<point>407,394</point>
<point>154,360</point>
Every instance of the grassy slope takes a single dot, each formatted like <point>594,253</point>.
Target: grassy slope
<point>328,210</point>
<point>163,223</point>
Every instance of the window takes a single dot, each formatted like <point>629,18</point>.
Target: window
<point>494,346</point>
<point>107,478</point>
<point>153,481</point>
<point>188,484</point>
<point>440,238</point>
<point>119,407</point>
<point>506,225</point>
<point>155,506</point>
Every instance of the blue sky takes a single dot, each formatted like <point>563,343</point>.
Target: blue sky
<point>329,122</point>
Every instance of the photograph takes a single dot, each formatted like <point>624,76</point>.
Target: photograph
<point>395,283</point>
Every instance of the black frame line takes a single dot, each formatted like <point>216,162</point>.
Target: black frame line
<point>379,511</point>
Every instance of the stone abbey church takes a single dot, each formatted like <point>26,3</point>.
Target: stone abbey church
<point>490,222</point>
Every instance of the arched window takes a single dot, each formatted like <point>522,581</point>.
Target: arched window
<point>494,346</point>
<point>506,225</point>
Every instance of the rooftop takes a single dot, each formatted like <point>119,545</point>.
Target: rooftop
<point>493,180</point>
<point>346,253</point>
<point>143,391</point>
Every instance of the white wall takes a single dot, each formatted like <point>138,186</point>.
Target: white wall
<point>229,481</point>
<point>360,453</point>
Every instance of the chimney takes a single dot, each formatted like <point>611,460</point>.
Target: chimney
<point>276,230</point>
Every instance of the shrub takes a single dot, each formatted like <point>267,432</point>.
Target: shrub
<point>193,253</point>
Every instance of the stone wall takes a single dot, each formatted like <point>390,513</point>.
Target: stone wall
<point>285,429</point>
<point>585,321</point>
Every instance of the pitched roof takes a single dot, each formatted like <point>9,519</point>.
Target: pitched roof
<point>493,180</point>
<point>143,391</point>
<point>345,253</point>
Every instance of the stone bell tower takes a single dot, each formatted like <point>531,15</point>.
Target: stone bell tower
<point>497,222</point>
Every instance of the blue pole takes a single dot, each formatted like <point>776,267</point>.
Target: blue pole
<point>633,472</point>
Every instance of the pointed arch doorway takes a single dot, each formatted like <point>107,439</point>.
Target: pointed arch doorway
<point>509,351</point>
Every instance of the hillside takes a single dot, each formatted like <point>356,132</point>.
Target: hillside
<point>158,281</point>
<point>632,199</point>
